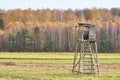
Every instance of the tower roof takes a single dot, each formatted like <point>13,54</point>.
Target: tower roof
<point>85,25</point>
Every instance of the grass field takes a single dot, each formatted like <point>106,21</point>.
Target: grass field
<point>53,66</point>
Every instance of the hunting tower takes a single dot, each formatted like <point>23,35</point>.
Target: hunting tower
<point>86,58</point>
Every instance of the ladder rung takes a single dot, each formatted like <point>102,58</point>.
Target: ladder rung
<point>86,61</point>
<point>86,44</point>
<point>88,73</point>
<point>87,65</point>
<point>87,51</point>
<point>87,69</point>
<point>86,47</point>
<point>87,58</point>
<point>87,54</point>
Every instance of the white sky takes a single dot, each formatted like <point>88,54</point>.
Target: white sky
<point>58,4</point>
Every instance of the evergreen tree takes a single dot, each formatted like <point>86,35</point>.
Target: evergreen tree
<point>37,39</point>
<point>1,24</point>
<point>22,41</point>
<point>19,41</point>
<point>12,43</point>
<point>48,42</point>
<point>27,40</point>
<point>106,44</point>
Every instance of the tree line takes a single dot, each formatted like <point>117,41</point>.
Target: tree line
<point>54,30</point>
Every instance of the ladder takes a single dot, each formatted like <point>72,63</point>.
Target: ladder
<point>86,61</point>
<point>88,65</point>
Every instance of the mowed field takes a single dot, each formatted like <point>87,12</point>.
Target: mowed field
<point>54,66</point>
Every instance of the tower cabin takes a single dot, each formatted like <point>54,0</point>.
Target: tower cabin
<point>86,32</point>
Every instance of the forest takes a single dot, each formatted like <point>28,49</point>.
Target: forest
<point>53,30</point>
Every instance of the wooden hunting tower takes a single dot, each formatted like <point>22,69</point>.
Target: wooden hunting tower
<point>86,58</point>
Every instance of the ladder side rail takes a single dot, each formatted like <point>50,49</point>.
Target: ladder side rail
<point>97,58</point>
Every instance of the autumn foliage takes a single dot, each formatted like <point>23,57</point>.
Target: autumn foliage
<point>54,30</point>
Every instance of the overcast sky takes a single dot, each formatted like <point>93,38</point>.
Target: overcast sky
<point>58,4</point>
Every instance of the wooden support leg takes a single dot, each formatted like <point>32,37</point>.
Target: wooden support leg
<point>97,58</point>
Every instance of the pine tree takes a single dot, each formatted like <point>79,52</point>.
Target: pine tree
<point>106,44</point>
<point>37,38</point>
<point>22,41</point>
<point>1,24</point>
<point>12,43</point>
<point>27,40</point>
<point>48,42</point>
